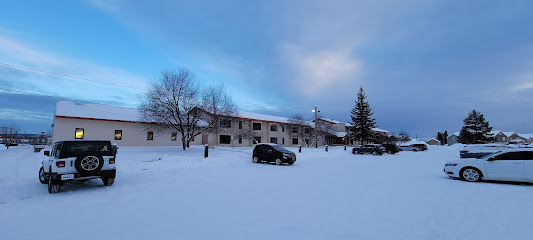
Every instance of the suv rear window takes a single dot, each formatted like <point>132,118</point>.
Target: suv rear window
<point>74,149</point>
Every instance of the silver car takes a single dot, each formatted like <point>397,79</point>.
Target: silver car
<point>410,147</point>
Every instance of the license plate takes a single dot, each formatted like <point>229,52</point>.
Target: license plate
<point>67,176</point>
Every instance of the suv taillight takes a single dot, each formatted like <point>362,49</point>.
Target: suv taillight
<point>60,163</point>
<point>111,160</point>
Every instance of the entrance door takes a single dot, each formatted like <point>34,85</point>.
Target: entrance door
<point>204,139</point>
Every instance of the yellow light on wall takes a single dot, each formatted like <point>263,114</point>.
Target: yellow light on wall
<point>79,133</point>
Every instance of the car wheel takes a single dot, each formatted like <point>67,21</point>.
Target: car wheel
<point>470,174</point>
<point>414,150</point>
<point>89,164</point>
<point>389,152</point>
<point>355,152</point>
<point>108,181</point>
<point>256,160</point>
<point>52,186</point>
<point>375,153</point>
<point>278,161</point>
<point>42,176</point>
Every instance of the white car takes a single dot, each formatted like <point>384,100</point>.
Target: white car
<point>511,165</point>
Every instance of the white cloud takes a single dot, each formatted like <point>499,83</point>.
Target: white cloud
<point>18,115</point>
<point>321,70</point>
<point>525,82</point>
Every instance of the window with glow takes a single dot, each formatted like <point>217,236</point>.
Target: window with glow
<point>79,133</point>
<point>118,134</point>
<point>150,136</point>
<point>174,136</point>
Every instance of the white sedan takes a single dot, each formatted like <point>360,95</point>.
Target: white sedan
<point>511,165</point>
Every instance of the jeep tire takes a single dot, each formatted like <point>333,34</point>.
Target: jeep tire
<point>53,185</point>
<point>89,164</point>
<point>108,181</point>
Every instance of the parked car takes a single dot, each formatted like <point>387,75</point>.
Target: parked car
<point>375,149</point>
<point>422,146</point>
<point>391,148</point>
<point>265,152</point>
<point>78,160</point>
<point>410,147</point>
<point>510,165</point>
<point>481,150</point>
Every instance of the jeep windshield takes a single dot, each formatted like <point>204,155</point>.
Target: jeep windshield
<point>281,149</point>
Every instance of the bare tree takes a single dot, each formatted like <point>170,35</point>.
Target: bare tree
<point>9,134</point>
<point>403,136</point>
<point>175,102</point>
<point>324,130</point>
<point>300,128</point>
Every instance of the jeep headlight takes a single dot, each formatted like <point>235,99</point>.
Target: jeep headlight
<point>285,155</point>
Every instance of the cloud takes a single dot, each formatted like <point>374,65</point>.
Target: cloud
<point>89,80</point>
<point>320,71</point>
<point>23,115</point>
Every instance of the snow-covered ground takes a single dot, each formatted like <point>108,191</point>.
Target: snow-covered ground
<point>166,193</point>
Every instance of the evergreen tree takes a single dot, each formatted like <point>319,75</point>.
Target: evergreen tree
<point>439,137</point>
<point>445,138</point>
<point>362,121</point>
<point>475,129</point>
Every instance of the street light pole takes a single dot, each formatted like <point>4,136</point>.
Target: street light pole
<point>316,129</point>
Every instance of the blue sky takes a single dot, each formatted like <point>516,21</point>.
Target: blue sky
<point>423,64</point>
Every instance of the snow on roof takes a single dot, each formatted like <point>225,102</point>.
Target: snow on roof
<point>526,135</point>
<point>379,130</point>
<point>262,117</point>
<point>339,134</point>
<point>329,120</point>
<point>94,111</point>
<point>507,134</point>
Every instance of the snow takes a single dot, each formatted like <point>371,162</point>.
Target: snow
<point>167,193</point>
<point>95,111</point>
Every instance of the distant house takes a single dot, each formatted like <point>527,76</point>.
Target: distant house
<point>433,141</point>
<point>452,138</point>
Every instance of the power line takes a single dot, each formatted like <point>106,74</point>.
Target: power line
<point>114,84</point>
<point>67,76</point>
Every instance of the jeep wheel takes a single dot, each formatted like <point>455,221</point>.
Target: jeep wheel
<point>278,161</point>
<point>256,160</point>
<point>375,152</point>
<point>42,176</point>
<point>108,181</point>
<point>53,187</point>
<point>89,164</point>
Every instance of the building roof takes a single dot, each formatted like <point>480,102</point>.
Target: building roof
<point>95,111</point>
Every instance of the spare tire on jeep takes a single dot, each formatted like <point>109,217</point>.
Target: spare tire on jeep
<point>89,163</point>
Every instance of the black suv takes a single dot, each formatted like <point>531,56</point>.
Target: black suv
<point>272,153</point>
<point>375,149</point>
<point>391,148</point>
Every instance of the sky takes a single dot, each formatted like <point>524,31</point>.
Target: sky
<point>424,65</point>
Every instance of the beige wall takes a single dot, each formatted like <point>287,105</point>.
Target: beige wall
<point>133,134</point>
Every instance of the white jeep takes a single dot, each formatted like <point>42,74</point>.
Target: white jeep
<point>79,161</point>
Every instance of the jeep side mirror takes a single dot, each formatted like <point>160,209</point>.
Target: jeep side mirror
<point>47,153</point>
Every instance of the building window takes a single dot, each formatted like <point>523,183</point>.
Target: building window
<point>150,136</point>
<point>118,134</point>
<point>257,139</point>
<point>294,129</point>
<point>225,123</point>
<point>274,140</point>
<point>283,128</point>
<point>274,128</point>
<point>295,141</point>
<point>240,140</point>
<point>307,130</point>
<point>79,133</point>
<point>225,139</point>
<point>283,141</point>
<point>256,126</point>
<point>174,136</point>
<point>240,124</point>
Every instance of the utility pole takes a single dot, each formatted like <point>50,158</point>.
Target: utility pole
<point>316,129</point>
